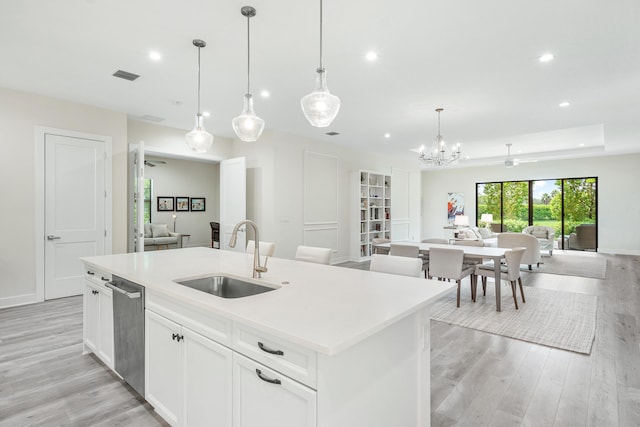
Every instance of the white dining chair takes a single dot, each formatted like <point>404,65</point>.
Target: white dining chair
<point>447,263</point>
<point>313,254</point>
<point>509,273</point>
<point>267,249</point>
<point>410,251</point>
<point>377,250</point>
<point>393,264</point>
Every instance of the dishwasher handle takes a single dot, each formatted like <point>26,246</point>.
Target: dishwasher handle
<point>131,295</point>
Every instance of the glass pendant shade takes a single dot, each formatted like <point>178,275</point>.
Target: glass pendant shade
<point>199,140</point>
<point>320,107</point>
<point>247,125</point>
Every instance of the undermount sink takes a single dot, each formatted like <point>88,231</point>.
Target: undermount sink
<point>224,286</point>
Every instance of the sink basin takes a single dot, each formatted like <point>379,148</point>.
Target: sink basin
<point>225,286</point>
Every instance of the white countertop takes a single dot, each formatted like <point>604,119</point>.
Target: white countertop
<point>323,308</point>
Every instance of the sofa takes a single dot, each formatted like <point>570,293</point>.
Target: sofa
<point>544,234</point>
<point>584,239</point>
<point>157,236</point>
<point>483,235</point>
<point>519,240</point>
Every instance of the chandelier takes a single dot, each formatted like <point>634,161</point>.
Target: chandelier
<point>438,155</point>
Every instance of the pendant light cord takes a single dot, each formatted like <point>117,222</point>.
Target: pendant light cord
<point>198,80</point>
<point>321,67</point>
<point>248,55</point>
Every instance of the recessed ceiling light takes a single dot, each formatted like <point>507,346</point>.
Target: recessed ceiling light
<point>371,56</point>
<point>387,135</point>
<point>206,113</point>
<point>581,145</point>
<point>265,94</point>
<point>564,104</point>
<point>546,57</point>
<point>155,56</point>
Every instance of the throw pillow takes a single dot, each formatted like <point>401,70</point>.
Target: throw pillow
<point>147,230</point>
<point>539,234</point>
<point>485,233</point>
<point>160,230</point>
<point>476,233</point>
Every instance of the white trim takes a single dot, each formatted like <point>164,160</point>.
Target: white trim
<point>39,194</point>
<point>172,154</point>
<point>618,251</point>
<point>17,300</point>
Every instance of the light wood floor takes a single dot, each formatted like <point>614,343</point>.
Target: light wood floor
<point>478,379</point>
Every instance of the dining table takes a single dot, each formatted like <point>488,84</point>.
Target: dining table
<point>471,252</point>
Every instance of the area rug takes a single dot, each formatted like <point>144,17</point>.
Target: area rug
<point>557,319</point>
<point>581,265</point>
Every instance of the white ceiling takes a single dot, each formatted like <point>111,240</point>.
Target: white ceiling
<point>476,59</point>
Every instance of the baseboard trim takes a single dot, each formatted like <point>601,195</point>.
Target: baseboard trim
<point>17,300</point>
<point>618,251</point>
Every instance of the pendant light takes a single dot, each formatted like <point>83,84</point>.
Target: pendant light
<point>199,140</point>
<point>438,156</point>
<point>320,107</point>
<point>247,125</point>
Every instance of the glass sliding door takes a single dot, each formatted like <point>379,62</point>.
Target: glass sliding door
<point>579,213</point>
<point>489,201</point>
<point>547,209</point>
<point>515,205</point>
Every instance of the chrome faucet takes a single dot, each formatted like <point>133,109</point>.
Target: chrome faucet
<point>257,268</point>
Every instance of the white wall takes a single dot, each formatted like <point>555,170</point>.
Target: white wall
<point>279,158</point>
<point>184,178</point>
<point>618,200</point>
<point>20,113</point>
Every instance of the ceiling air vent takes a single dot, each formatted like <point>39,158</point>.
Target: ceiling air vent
<point>125,75</point>
<point>333,133</point>
<point>152,118</point>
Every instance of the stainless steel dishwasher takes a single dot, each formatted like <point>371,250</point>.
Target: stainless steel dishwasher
<point>128,331</point>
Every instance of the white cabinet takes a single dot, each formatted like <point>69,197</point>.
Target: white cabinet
<point>98,316</point>
<point>372,207</point>
<point>188,376</point>
<point>263,397</point>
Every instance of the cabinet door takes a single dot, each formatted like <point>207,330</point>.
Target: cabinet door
<point>207,381</point>
<point>91,316</point>
<point>105,327</point>
<point>163,367</point>
<point>265,398</point>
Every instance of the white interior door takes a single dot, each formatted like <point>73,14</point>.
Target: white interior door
<point>233,201</point>
<point>74,210</point>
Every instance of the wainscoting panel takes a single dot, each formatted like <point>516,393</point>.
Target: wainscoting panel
<point>322,236</point>
<point>320,188</point>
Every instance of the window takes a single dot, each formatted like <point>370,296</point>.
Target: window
<point>146,202</point>
<point>563,204</point>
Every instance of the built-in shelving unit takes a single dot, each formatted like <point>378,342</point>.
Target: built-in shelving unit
<point>372,194</point>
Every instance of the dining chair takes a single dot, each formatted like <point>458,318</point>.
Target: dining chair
<point>445,263</point>
<point>394,264</point>
<point>509,273</point>
<point>467,260</point>
<point>313,254</point>
<point>410,251</point>
<point>377,240</point>
<point>267,249</point>
<point>436,240</point>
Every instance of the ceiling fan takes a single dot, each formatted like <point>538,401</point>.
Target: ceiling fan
<point>153,163</point>
<point>510,161</point>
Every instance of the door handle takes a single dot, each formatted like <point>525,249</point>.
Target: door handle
<point>52,237</point>
<point>131,295</point>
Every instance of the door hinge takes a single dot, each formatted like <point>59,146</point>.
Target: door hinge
<point>105,233</point>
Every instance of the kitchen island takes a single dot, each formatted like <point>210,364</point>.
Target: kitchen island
<point>328,347</point>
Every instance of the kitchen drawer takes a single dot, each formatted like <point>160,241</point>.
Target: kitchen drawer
<point>96,276</point>
<point>289,359</point>
<point>197,319</point>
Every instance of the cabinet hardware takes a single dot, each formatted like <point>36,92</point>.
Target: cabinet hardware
<point>52,237</point>
<point>267,379</point>
<point>180,337</point>
<point>174,336</point>
<point>268,350</point>
<point>90,273</point>
<point>94,292</point>
<point>105,279</point>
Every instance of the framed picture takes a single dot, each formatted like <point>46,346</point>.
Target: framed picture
<point>182,204</point>
<point>455,206</point>
<point>197,204</point>
<point>165,204</point>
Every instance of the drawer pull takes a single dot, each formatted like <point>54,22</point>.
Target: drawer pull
<point>268,350</point>
<point>105,279</point>
<point>267,379</point>
<point>90,273</point>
